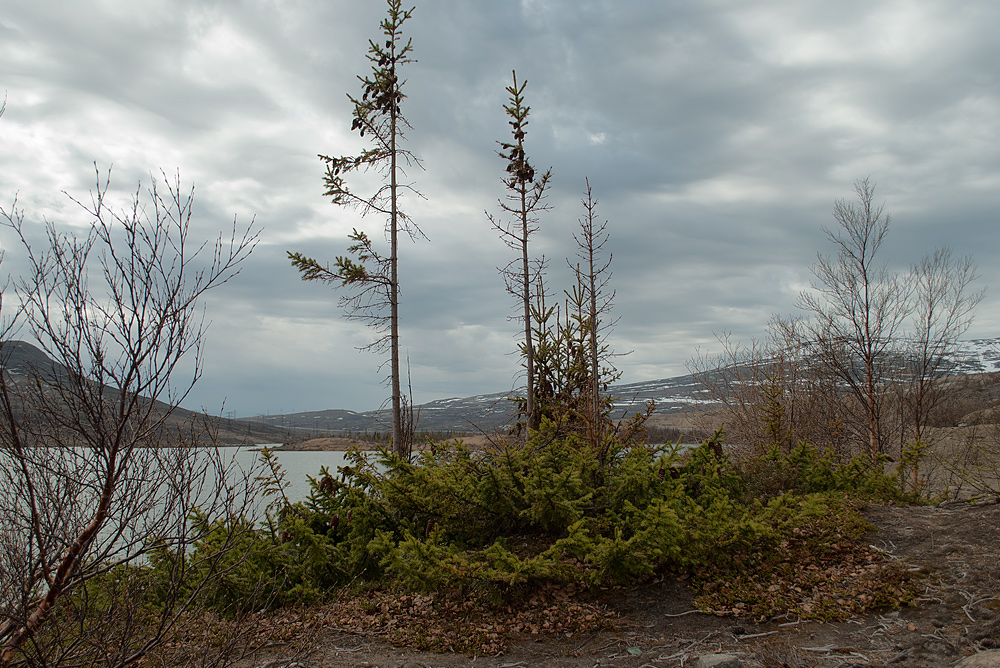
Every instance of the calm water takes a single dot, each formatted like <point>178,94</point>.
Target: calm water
<point>296,464</point>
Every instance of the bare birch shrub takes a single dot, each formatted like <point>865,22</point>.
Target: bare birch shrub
<point>772,392</point>
<point>866,372</point>
<point>972,464</point>
<point>94,476</point>
<point>858,308</point>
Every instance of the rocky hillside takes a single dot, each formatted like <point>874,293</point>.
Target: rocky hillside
<point>484,412</point>
<point>490,411</point>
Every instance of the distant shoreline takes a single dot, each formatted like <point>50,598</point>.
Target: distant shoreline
<point>341,444</point>
<point>329,443</point>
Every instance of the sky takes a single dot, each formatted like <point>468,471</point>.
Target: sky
<point>716,135</point>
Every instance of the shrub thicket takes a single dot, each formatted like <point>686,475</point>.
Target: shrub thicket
<point>520,515</point>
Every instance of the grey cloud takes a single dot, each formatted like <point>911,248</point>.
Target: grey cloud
<point>716,135</point>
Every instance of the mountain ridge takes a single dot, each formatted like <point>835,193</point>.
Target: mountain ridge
<point>485,412</point>
<point>478,413</point>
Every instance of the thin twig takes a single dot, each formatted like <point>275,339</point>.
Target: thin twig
<point>935,636</point>
<point>688,648</point>
<point>756,635</point>
<point>973,602</point>
<point>902,655</point>
<point>613,642</point>
<point>681,614</point>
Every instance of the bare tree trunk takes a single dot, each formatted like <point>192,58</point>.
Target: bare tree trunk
<point>591,239</point>
<point>531,408</point>
<point>874,434</point>
<point>399,444</point>
<point>375,276</point>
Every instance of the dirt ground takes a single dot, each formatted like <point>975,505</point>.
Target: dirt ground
<point>956,545</point>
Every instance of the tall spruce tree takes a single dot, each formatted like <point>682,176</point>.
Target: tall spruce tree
<point>524,200</point>
<point>373,277</point>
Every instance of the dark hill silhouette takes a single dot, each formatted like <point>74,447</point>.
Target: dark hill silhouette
<point>22,361</point>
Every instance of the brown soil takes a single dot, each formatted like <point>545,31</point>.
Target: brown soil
<point>957,546</point>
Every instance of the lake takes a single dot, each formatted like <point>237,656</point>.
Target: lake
<point>297,464</point>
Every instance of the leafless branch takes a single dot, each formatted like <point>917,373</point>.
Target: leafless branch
<point>94,474</point>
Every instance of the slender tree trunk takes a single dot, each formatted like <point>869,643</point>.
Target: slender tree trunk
<point>594,403</point>
<point>399,446</point>
<point>873,423</point>
<point>874,427</point>
<point>525,196</point>
<point>918,423</point>
<point>376,113</point>
<point>595,362</point>
<point>529,348</point>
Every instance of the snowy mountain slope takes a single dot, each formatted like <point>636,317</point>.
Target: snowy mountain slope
<point>488,411</point>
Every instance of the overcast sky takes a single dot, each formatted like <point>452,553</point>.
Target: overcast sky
<point>716,134</point>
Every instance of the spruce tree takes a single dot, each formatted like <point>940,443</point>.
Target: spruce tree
<point>595,299</point>
<point>372,276</point>
<point>524,200</point>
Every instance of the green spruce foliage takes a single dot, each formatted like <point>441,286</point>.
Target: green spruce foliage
<point>518,515</point>
<point>573,498</point>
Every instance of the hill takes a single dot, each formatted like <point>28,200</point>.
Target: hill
<point>487,412</point>
<point>971,366</point>
<point>22,361</point>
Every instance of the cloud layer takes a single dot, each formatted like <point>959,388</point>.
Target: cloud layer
<point>716,135</point>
